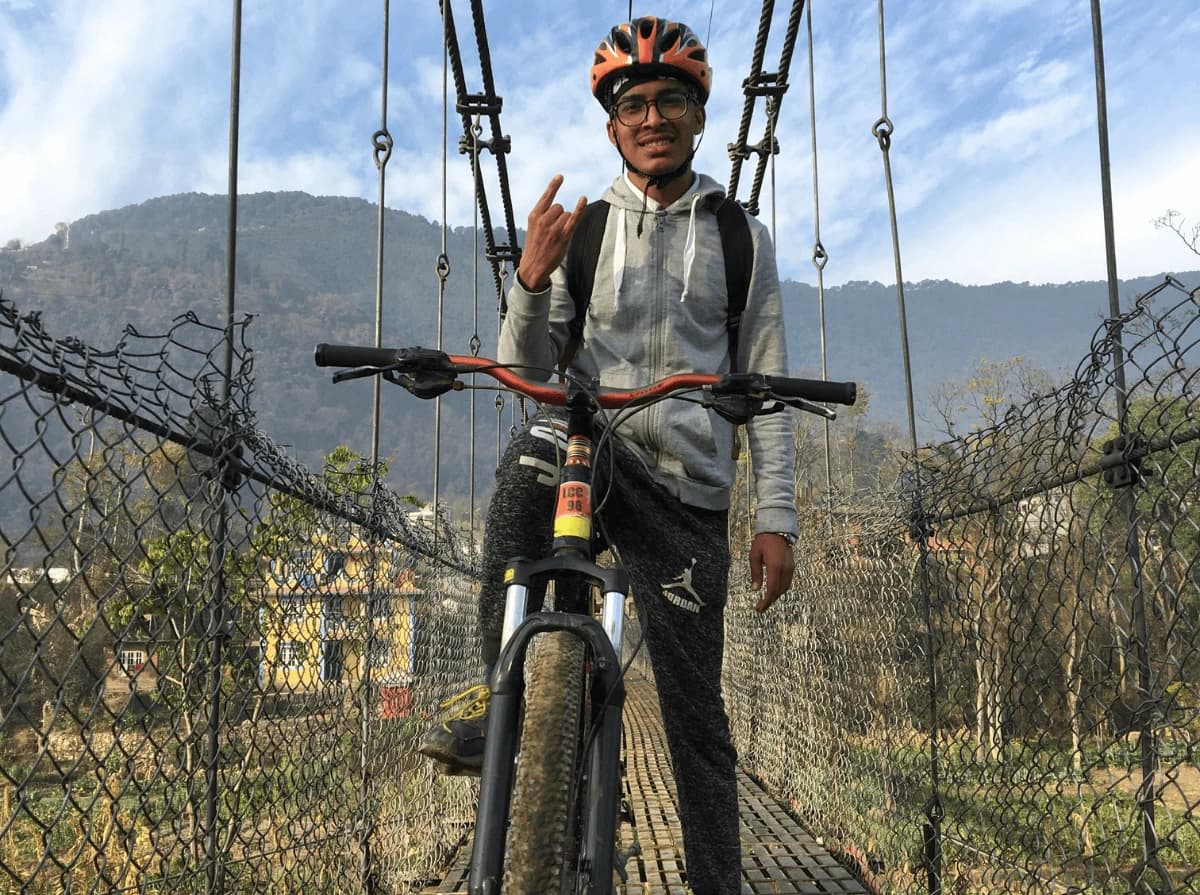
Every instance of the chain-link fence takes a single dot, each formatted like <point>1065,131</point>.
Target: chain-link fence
<point>213,664</point>
<point>1002,687</point>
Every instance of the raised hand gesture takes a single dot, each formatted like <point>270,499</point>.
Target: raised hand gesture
<point>547,237</point>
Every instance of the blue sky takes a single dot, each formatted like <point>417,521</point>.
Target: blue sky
<point>995,151</point>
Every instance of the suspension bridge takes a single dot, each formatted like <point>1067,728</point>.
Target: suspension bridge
<point>215,663</point>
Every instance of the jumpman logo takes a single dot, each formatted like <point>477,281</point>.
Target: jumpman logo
<point>691,602</point>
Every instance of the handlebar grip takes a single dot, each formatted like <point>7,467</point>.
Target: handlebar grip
<point>354,356</point>
<point>814,389</point>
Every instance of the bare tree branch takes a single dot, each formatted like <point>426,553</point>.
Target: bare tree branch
<point>1177,224</point>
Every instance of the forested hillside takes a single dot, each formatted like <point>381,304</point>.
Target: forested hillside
<point>307,269</point>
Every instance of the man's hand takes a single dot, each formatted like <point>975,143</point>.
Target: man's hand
<point>547,238</point>
<point>771,567</point>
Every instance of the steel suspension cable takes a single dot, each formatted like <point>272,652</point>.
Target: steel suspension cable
<point>738,151</point>
<point>499,144</point>
<point>819,255</point>
<point>442,268</point>
<point>1128,499</point>
<point>217,623</point>
<point>934,812</point>
<point>476,130</point>
<point>489,105</point>
<point>472,107</point>
<point>382,144</point>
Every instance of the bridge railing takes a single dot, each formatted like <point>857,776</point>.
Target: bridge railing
<point>214,663</point>
<point>988,674</point>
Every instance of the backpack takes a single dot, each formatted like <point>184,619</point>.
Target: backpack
<point>583,254</point>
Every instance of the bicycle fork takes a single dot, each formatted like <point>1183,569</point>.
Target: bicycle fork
<point>601,794</point>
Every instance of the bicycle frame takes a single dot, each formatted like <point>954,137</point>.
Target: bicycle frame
<point>571,563</point>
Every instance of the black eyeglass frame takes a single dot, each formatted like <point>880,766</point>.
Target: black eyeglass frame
<point>688,98</point>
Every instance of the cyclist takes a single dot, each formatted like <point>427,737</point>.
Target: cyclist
<point>657,306</point>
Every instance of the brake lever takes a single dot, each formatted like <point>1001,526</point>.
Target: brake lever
<point>810,407</point>
<point>356,373</point>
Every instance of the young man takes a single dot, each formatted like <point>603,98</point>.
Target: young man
<point>658,306</point>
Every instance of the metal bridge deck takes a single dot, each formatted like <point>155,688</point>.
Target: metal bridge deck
<point>778,856</point>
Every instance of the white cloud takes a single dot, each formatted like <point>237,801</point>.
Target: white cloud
<point>1018,133</point>
<point>78,133</point>
<point>992,100</point>
<point>1043,223</point>
<point>319,173</point>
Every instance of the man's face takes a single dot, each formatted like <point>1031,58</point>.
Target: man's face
<point>656,145</point>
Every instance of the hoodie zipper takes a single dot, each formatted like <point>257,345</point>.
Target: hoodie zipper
<point>655,411</point>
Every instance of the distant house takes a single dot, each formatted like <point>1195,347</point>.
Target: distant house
<point>134,668</point>
<point>325,620</point>
<point>27,576</point>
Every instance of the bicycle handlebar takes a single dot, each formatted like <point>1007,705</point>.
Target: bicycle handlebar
<point>440,371</point>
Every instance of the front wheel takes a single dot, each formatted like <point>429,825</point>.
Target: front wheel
<point>546,808</point>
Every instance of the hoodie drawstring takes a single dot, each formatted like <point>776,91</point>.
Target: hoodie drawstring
<point>620,249</point>
<point>642,216</point>
<point>689,247</point>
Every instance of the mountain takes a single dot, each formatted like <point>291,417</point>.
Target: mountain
<point>306,268</point>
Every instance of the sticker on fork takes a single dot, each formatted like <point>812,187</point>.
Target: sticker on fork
<point>573,515</point>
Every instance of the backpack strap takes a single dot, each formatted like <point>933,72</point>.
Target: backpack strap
<point>737,246</point>
<point>583,254</point>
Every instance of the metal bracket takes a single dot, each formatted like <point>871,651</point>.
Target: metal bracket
<point>766,84</point>
<point>743,151</point>
<point>1122,461</point>
<point>920,528</point>
<point>479,104</point>
<point>505,253</point>
<point>500,145</point>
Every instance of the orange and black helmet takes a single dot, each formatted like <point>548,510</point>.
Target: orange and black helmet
<point>650,47</point>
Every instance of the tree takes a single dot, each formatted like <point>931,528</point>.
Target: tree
<point>981,400</point>
<point>1001,606</point>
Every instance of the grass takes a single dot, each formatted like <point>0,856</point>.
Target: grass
<point>1027,823</point>
<point>293,811</point>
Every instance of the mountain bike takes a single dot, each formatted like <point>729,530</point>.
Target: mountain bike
<point>548,813</point>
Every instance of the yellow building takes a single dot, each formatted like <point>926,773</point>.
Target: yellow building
<point>326,621</point>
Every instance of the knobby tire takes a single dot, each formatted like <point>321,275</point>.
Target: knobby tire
<point>545,811</point>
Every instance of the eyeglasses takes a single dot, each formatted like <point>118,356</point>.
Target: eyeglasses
<point>671,104</point>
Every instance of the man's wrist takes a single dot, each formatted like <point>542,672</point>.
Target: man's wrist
<point>786,535</point>
<point>530,289</point>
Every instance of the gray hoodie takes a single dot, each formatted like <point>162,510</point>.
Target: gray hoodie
<point>658,307</point>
